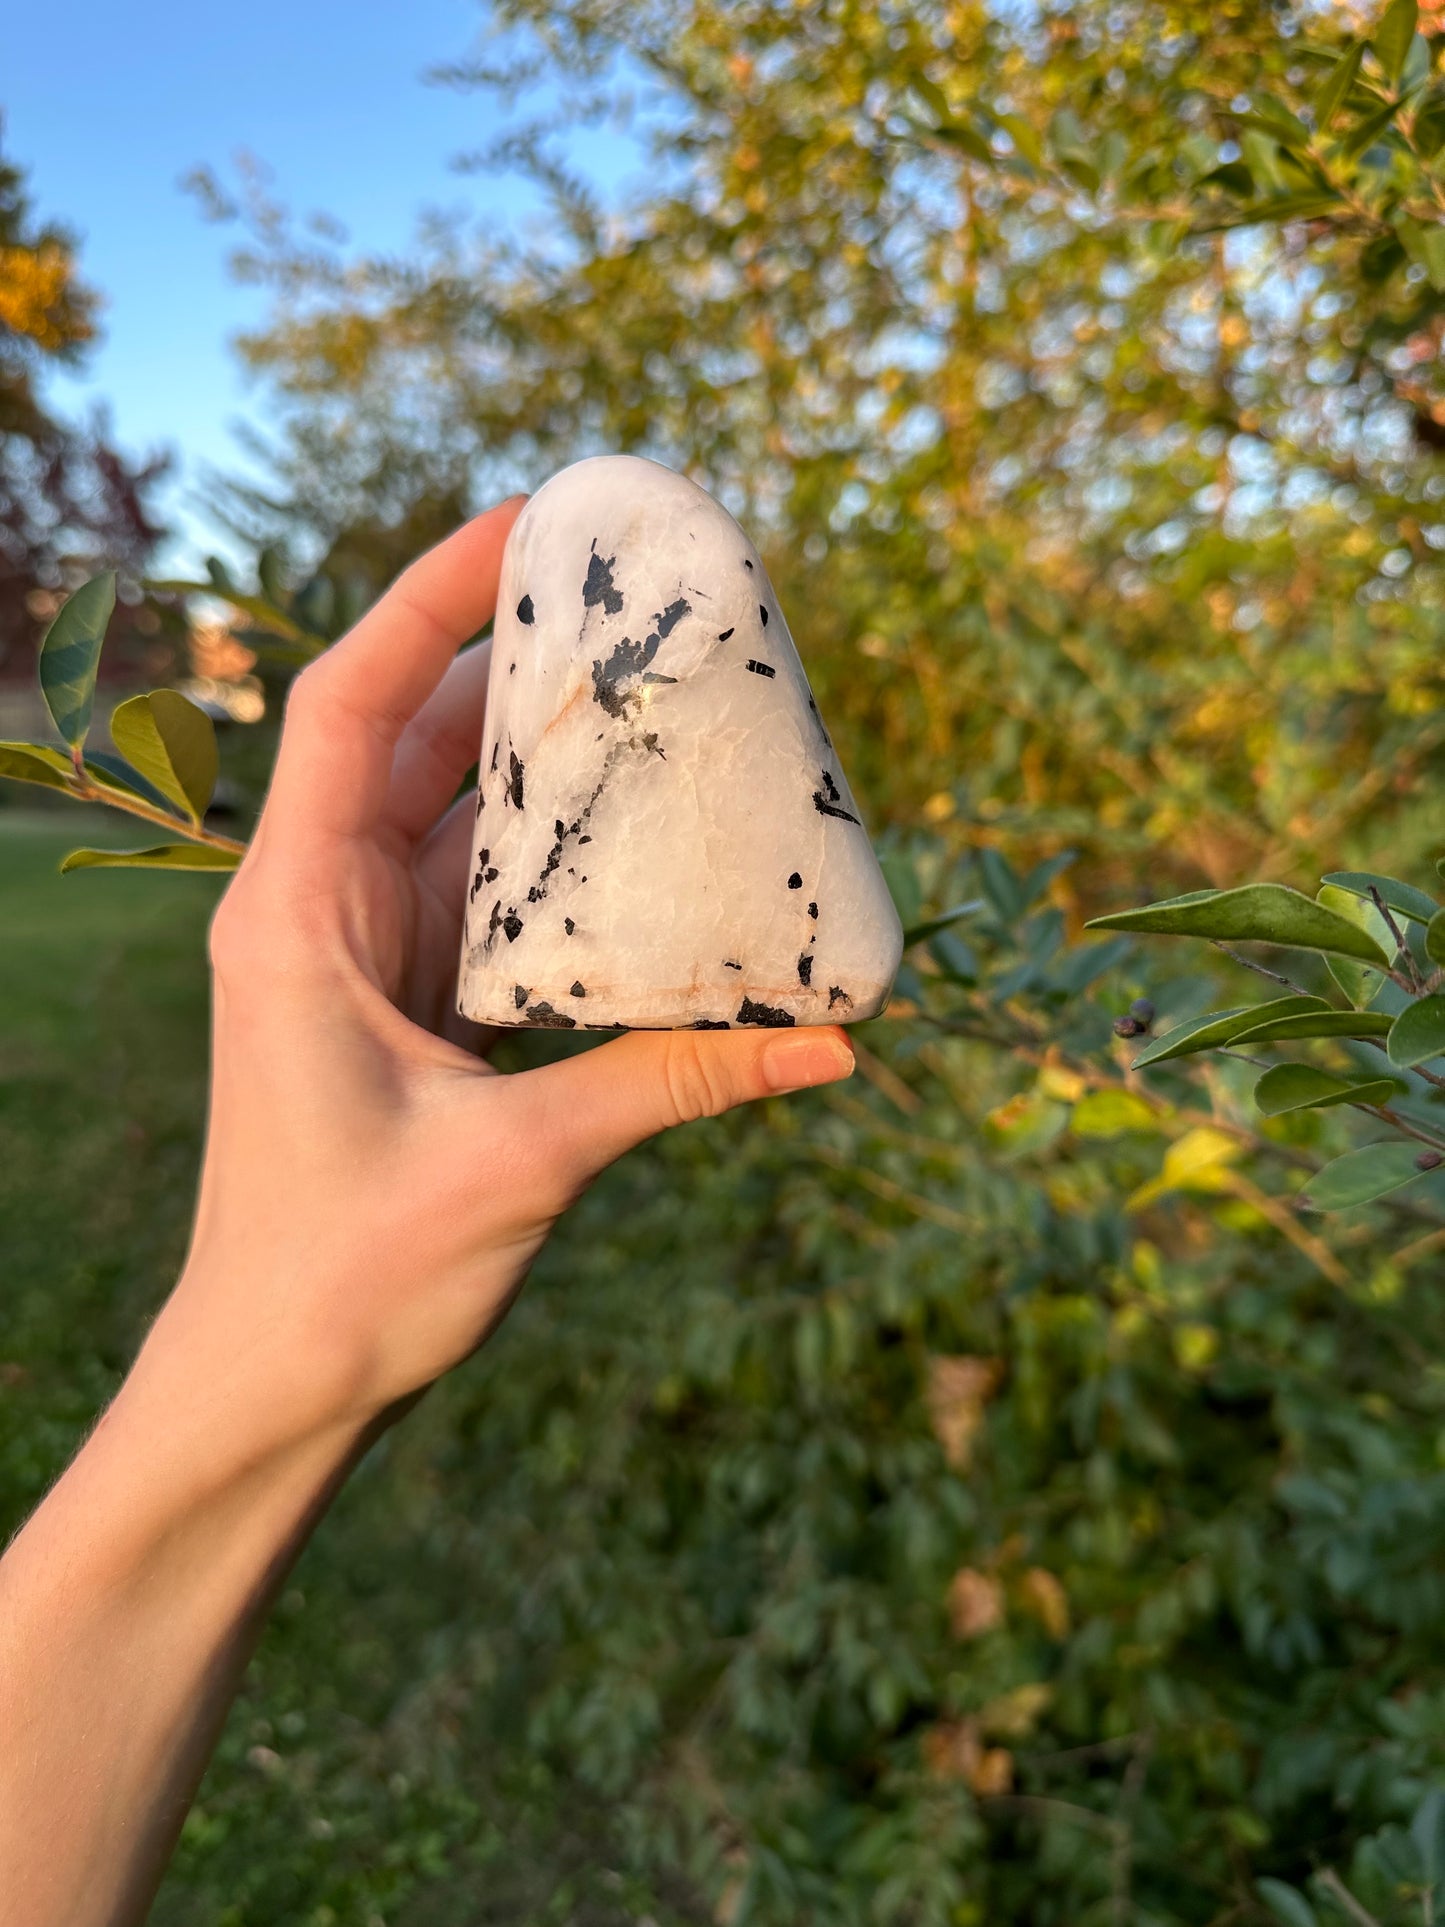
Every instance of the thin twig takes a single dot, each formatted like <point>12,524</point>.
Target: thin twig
<point>1331,1881</point>
<point>1260,970</point>
<point>87,791</point>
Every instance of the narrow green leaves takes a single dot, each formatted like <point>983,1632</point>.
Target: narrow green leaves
<point>1359,1176</point>
<point>1392,39</point>
<point>1339,82</point>
<point>163,856</point>
<point>1221,1027</point>
<point>173,745</point>
<point>931,927</point>
<point>70,653</point>
<point>35,763</point>
<point>1254,913</point>
<point>1301,1087</point>
<point>1418,1033</point>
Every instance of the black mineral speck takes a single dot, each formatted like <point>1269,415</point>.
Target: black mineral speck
<point>746,564</point>
<point>511,669</point>
<point>549,1019</point>
<point>812,909</point>
<point>766,1015</point>
<point>583,839</point>
<point>520,994</point>
<point>496,751</point>
<point>512,924</point>
<point>570,925</point>
<point>525,612</point>
<point>805,968</point>
<point>761,668</point>
<point>725,634</point>
<point>514,788</point>
<point>837,995</point>
<point>762,611</point>
<point>728,964</point>
<point>826,801</point>
<point>599,586</point>
<point>579,989</point>
<point>670,617</point>
<point>712,1023</point>
<point>795,882</point>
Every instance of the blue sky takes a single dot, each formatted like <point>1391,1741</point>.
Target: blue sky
<point>109,105</point>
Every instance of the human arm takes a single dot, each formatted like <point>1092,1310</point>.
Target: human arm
<point>371,1198</point>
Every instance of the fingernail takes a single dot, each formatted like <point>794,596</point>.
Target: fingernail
<point>793,1063</point>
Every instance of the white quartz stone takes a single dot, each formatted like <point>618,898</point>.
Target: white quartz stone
<point>665,836</point>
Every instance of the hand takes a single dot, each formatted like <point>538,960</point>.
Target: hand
<point>373,1193</point>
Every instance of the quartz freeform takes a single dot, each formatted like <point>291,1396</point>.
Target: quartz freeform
<point>665,837</point>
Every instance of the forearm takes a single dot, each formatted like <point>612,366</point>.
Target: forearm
<point>128,1608</point>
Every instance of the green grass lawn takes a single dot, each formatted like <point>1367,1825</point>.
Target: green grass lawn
<point>339,1794</point>
<point>102,1076</point>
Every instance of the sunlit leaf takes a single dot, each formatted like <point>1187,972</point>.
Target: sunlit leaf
<point>172,742</point>
<point>1418,1034</point>
<point>1199,1161</point>
<point>1391,42</point>
<point>36,763</point>
<point>1338,83</point>
<point>1360,983</point>
<point>1359,1176</point>
<point>70,654</point>
<point>1403,898</point>
<point>163,856</point>
<point>1111,1113</point>
<point>114,773</point>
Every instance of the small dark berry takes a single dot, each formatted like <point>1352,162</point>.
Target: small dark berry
<point>1129,1027</point>
<point>1143,1011</point>
<point>1429,1161</point>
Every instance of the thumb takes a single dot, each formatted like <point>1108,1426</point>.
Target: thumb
<point>593,1107</point>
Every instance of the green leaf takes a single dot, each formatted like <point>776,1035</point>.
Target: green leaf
<point>1435,938</point>
<point>1360,983</point>
<point>1254,913</point>
<point>173,745</point>
<point>1418,1033</point>
<point>931,927</point>
<point>257,607</point>
<point>1425,245</point>
<point>1402,898</point>
<point>1341,78</point>
<point>1427,1830</point>
<point>1428,128</point>
<point>1392,39</point>
<point>958,134</point>
<point>163,856</point>
<point>1301,1087</point>
<point>1219,1027</point>
<point>114,773</point>
<point>221,577</point>
<point>1273,118</point>
<point>1359,1176</point>
<point>1323,1023</point>
<point>1111,1113</point>
<point>1287,1904</point>
<point>1366,131</point>
<point>1024,137</point>
<point>932,96</point>
<point>36,763</point>
<point>271,574</point>
<point>70,654</point>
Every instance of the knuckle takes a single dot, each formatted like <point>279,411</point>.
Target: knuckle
<point>306,697</point>
<point>697,1084</point>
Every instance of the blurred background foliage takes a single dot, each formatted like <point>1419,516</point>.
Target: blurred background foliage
<point>976,1494</point>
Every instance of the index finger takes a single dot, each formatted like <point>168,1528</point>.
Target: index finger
<point>348,709</point>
